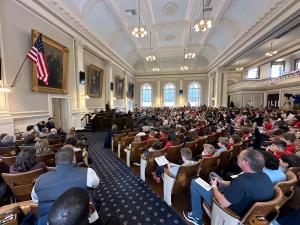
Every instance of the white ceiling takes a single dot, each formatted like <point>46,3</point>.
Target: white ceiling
<point>169,21</point>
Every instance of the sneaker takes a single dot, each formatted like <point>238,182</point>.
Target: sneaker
<point>189,217</point>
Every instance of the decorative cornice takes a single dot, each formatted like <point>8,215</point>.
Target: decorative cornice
<point>246,39</point>
<point>56,8</point>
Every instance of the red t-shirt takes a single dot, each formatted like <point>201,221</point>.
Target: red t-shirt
<point>268,126</point>
<point>230,146</point>
<point>290,148</point>
<point>279,154</point>
<point>296,124</point>
<point>168,144</point>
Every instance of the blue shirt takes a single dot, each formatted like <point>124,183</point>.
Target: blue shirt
<point>275,175</point>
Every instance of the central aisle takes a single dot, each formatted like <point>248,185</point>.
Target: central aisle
<point>122,193</point>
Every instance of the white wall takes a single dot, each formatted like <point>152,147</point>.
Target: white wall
<point>22,106</point>
<point>89,58</point>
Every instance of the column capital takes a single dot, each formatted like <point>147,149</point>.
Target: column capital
<point>79,43</point>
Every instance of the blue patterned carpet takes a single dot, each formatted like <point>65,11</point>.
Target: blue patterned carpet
<point>122,193</point>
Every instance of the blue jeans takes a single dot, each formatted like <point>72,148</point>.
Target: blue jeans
<point>198,193</point>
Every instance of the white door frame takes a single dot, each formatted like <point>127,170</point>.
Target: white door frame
<point>68,111</point>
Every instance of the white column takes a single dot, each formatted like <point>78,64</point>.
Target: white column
<point>158,95</point>
<point>80,88</point>
<point>265,99</point>
<point>218,88</point>
<point>224,92</point>
<point>126,91</point>
<point>210,90</point>
<point>109,79</point>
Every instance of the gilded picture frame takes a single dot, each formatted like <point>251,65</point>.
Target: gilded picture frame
<point>130,93</point>
<point>95,81</point>
<point>57,58</point>
<point>119,92</point>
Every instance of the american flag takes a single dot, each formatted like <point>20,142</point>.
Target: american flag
<point>36,55</point>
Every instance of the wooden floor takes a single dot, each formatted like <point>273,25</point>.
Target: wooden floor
<point>180,201</point>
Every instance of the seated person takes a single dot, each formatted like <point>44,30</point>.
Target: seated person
<point>272,168</point>
<point>239,195</point>
<point>26,161</point>
<point>186,156</point>
<point>53,184</point>
<point>7,141</point>
<point>289,139</point>
<point>151,136</point>
<point>29,140</point>
<point>278,148</point>
<point>170,141</point>
<point>72,142</point>
<point>233,140</point>
<point>222,143</point>
<point>267,124</point>
<point>288,160</point>
<point>42,147</point>
<point>53,135</point>
<point>73,208</point>
<point>208,151</point>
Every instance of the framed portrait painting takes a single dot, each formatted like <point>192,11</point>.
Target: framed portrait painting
<point>95,81</point>
<point>130,93</point>
<point>119,88</point>
<point>57,59</point>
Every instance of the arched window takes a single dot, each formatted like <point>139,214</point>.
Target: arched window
<point>194,94</point>
<point>169,95</point>
<point>146,95</point>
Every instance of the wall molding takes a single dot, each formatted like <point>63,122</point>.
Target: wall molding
<point>266,23</point>
<point>78,29</point>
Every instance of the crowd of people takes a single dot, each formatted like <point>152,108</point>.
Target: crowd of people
<point>271,136</point>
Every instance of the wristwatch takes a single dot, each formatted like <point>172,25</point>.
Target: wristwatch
<point>213,186</point>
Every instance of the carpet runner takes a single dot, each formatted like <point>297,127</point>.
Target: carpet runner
<point>124,194</point>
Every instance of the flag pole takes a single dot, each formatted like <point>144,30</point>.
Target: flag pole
<point>14,82</point>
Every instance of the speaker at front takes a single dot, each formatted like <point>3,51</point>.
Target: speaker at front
<point>180,92</point>
<point>111,86</point>
<point>82,77</point>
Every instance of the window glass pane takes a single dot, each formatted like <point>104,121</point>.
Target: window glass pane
<point>169,95</point>
<point>146,95</point>
<point>252,73</point>
<point>194,94</point>
<point>277,69</point>
<point>297,65</point>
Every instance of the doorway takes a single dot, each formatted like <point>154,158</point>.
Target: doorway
<point>61,113</point>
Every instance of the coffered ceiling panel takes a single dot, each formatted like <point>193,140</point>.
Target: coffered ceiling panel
<point>169,21</point>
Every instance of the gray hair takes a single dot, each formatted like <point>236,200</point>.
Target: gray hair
<point>255,159</point>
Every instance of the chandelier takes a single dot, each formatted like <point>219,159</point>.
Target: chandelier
<point>202,24</point>
<point>239,69</point>
<point>150,57</point>
<point>139,31</point>
<point>156,69</point>
<point>190,54</point>
<point>184,68</point>
<point>271,52</point>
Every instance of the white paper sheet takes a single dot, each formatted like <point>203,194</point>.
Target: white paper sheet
<point>161,161</point>
<point>203,183</point>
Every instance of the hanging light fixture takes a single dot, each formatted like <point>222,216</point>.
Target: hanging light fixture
<point>155,69</point>
<point>184,67</point>
<point>271,52</point>
<point>150,57</point>
<point>190,54</point>
<point>202,24</point>
<point>139,31</point>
